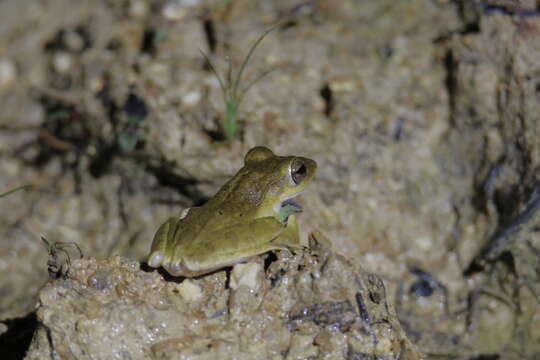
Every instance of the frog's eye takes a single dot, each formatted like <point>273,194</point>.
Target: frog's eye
<point>298,171</point>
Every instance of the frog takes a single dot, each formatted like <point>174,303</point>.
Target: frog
<point>252,214</point>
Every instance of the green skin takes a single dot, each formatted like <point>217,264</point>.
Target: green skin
<point>247,217</point>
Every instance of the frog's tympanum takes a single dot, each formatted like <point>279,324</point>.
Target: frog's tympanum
<point>251,214</point>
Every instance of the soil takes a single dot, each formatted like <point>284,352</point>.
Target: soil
<point>422,116</point>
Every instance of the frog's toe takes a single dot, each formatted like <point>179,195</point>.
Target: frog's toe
<point>156,259</point>
<point>294,249</point>
<point>297,248</point>
<point>174,268</point>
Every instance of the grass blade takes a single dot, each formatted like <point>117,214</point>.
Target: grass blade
<point>23,187</point>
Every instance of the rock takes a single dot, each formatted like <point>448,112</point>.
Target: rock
<point>8,73</point>
<point>314,304</point>
<point>62,62</point>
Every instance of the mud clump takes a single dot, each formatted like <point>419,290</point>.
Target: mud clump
<point>311,305</point>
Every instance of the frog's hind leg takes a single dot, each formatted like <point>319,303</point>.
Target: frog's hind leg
<point>239,242</point>
<point>160,243</point>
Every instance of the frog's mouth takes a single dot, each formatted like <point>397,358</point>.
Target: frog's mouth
<point>288,207</point>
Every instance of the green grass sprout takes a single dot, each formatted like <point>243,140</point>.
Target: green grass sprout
<point>233,93</point>
<point>23,187</point>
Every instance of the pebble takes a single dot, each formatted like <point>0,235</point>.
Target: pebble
<point>175,10</point>
<point>245,274</point>
<point>74,41</point>
<point>192,98</point>
<point>190,291</point>
<point>62,62</point>
<point>3,328</point>
<point>8,73</point>
<point>138,9</point>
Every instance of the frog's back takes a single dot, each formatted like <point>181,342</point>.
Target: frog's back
<point>235,202</point>
<point>220,212</point>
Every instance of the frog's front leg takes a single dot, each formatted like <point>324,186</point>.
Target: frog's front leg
<point>289,239</point>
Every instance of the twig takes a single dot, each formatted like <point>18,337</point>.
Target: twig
<point>494,247</point>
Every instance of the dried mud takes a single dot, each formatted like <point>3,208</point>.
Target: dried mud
<point>422,116</point>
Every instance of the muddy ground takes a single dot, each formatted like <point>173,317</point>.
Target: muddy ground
<point>423,116</point>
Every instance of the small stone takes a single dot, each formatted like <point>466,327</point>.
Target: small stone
<point>245,274</point>
<point>138,9</point>
<point>192,98</point>
<point>174,11</point>
<point>424,242</point>
<point>190,291</point>
<point>74,41</point>
<point>8,73</point>
<point>383,346</point>
<point>62,62</point>
<point>96,84</point>
<point>342,85</point>
<point>3,328</point>
<point>33,113</point>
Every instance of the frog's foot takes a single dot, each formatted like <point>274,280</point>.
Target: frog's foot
<point>297,248</point>
<point>175,268</point>
<point>160,243</point>
<point>289,239</point>
<point>294,249</point>
<point>158,259</point>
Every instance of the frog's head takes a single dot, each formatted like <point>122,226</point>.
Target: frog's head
<point>279,180</point>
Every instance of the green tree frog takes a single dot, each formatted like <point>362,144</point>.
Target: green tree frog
<point>251,214</point>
